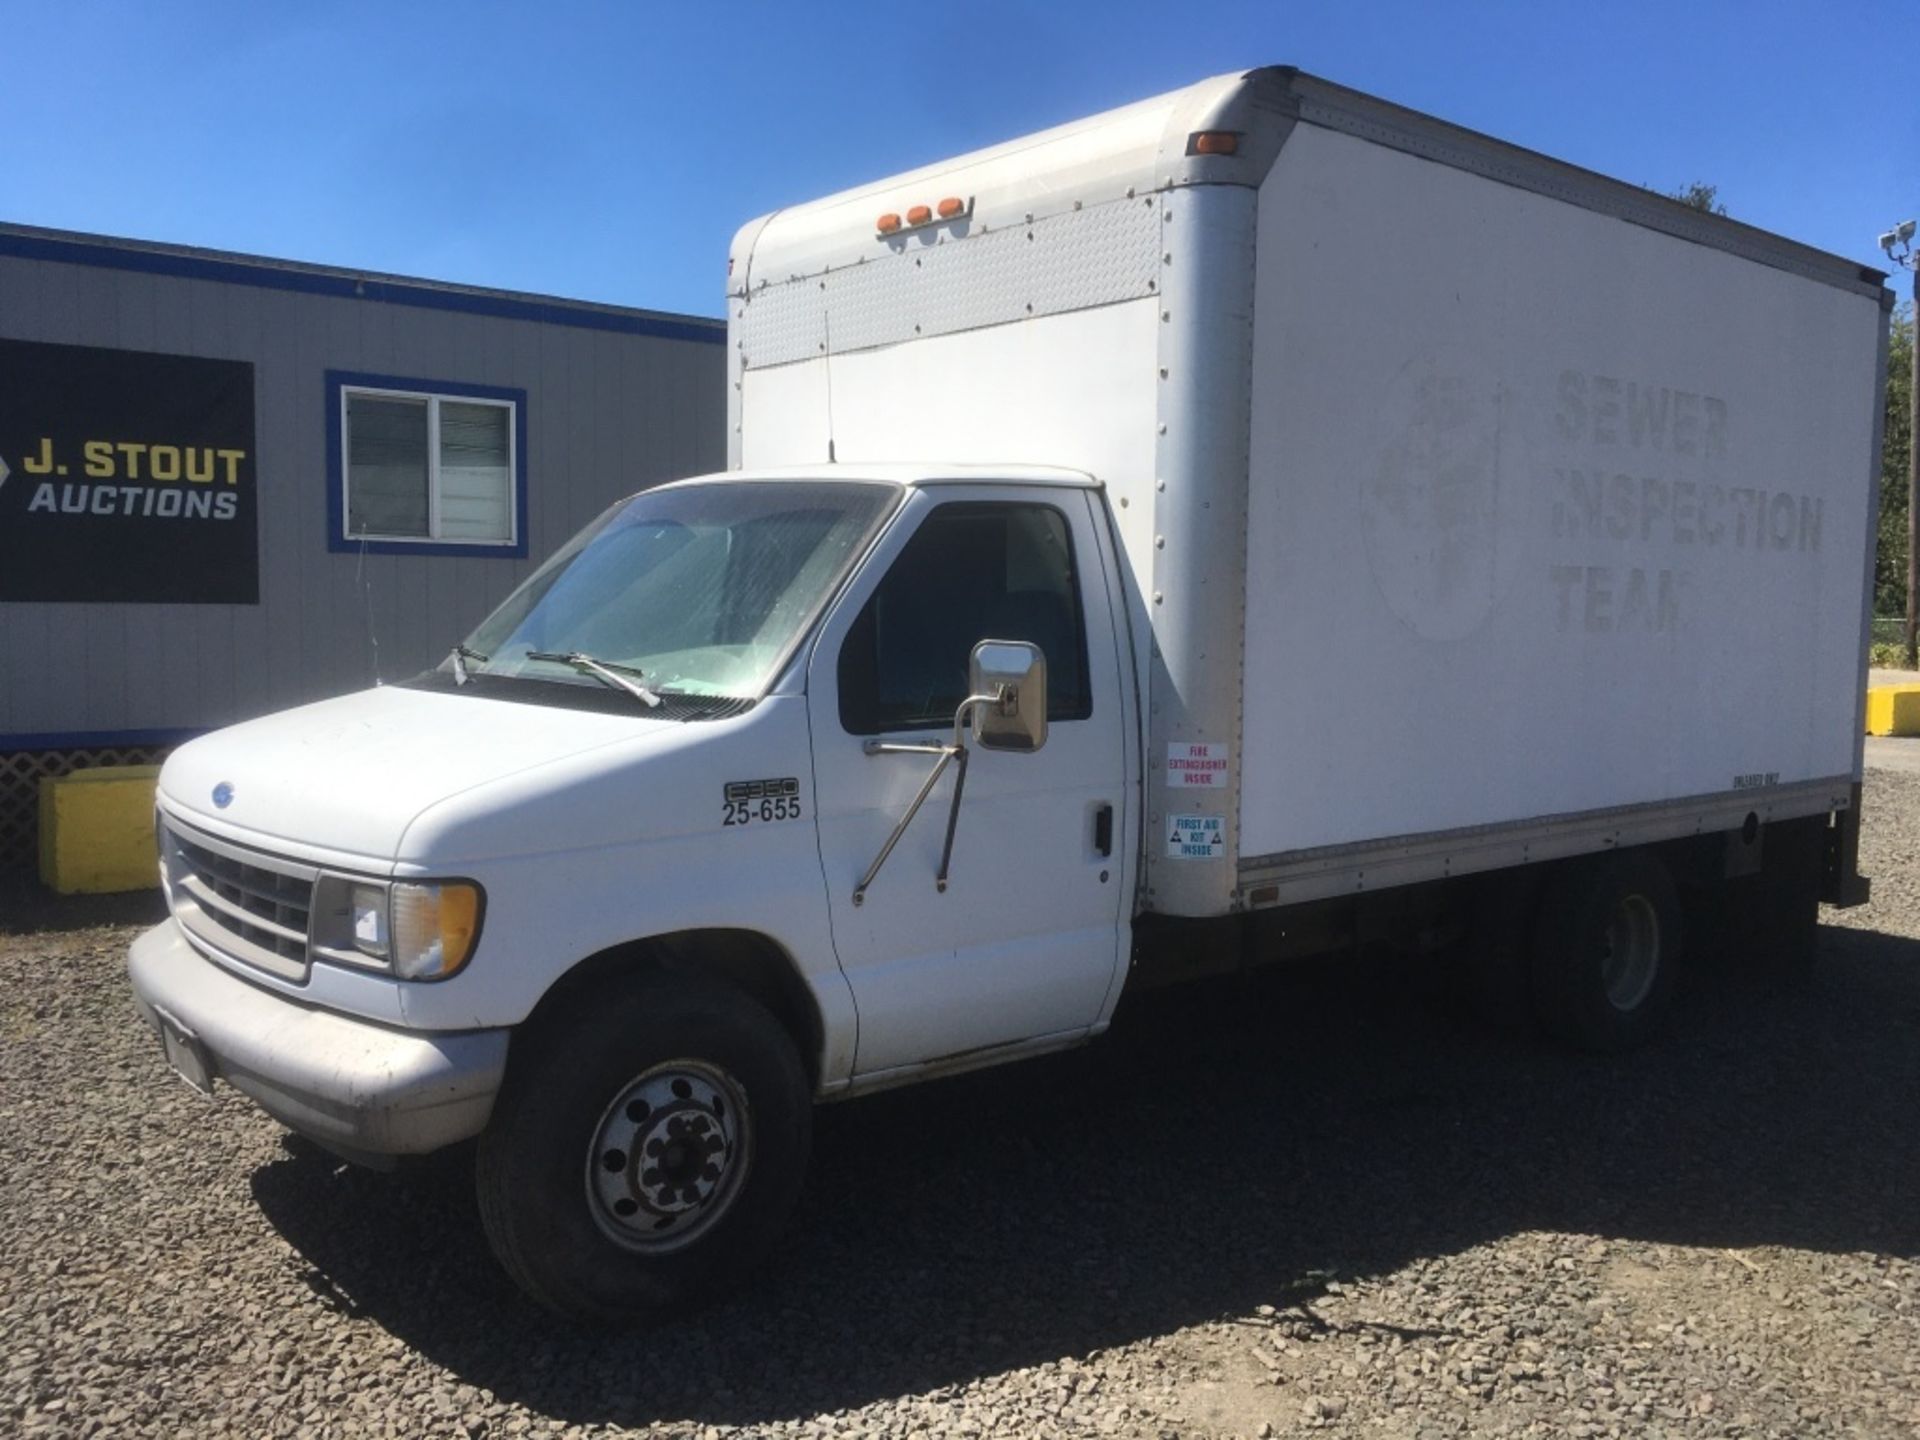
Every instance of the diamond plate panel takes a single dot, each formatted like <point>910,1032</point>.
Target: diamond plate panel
<point>1067,262</point>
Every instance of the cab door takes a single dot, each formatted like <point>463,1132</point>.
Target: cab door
<point>1027,939</point>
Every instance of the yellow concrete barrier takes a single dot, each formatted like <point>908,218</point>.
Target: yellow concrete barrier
<point>1893,710</point>
<point>96,830</point>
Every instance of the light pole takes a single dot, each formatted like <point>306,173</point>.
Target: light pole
<point>1898,243</point>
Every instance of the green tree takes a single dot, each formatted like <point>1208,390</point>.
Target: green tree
<point>1890,563</point>
<point>1697,196</point>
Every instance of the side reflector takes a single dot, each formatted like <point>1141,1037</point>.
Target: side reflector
<point>887,223</point>
<point>951,207</point>
<point>919,215</point>
<point>1213,142</point>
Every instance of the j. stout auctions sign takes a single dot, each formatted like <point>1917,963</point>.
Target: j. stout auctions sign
<point>126,476</point>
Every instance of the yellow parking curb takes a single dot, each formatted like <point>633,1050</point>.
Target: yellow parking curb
<point>96,830</point>
<point>1893,710</point>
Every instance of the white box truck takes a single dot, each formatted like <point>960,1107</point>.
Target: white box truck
<point>1236,526</point>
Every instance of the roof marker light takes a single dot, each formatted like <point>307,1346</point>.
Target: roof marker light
<point>918,217</point>
<point>1213,142</point>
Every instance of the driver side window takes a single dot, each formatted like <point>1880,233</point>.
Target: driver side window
<point>973,571</point>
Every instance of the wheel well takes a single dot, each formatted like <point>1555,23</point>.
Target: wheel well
<point>745,959</point>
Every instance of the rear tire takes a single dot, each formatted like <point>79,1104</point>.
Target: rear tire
<point>1606,942</point>
<point>646,1150</point>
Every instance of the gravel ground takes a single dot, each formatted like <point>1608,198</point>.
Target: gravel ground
<point>1318,1201</point>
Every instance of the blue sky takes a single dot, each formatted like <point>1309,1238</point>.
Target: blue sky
<point>609,151</point>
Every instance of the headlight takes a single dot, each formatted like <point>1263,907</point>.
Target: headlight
<point>434,926</point>
<point>415,929</point>
<point>370,920</point>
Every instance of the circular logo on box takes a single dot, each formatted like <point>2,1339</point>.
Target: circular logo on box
<point>222,795</point>
<point>1443,512</point>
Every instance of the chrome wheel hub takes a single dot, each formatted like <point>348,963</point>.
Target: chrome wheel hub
<point>1633,952</point>
<point>668,1156</point>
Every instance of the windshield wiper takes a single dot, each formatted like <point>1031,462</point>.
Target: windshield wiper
<point>602,670</point>
<point>460,655</point>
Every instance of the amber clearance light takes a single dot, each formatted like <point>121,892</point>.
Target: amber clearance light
<point>951,208</point>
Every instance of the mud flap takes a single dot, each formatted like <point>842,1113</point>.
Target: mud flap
<point>1841,883</point>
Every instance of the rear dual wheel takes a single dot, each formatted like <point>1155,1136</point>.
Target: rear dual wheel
<point>1606,941</point>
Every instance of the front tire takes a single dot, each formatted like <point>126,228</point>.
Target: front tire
<point>646,1150</point>
<point>1606,943</point>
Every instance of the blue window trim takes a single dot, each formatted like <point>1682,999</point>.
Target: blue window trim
<point>345,285</point>
<point>340,542</point>
<point>96,739</point>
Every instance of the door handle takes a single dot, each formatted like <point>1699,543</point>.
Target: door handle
<point>1103,829</point>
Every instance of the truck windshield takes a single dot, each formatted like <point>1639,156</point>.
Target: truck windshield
<point>701,589</point>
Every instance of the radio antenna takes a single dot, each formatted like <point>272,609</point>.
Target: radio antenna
<point>826,345</point>
<point>365,582</point>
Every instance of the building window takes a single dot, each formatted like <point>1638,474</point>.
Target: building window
<point>423,466</point>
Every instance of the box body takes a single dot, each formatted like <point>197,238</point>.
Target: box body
<point>1475,509</point>
<point>1549,513</point>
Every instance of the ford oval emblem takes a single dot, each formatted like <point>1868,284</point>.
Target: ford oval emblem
<point>222,795</point>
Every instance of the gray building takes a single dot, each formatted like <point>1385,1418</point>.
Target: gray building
<point>234,484</point>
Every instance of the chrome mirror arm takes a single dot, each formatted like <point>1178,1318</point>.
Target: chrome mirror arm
<point>960,715</point>
<point>956,751</point>
<point>899,829</point>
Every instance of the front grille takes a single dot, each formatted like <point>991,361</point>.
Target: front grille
<point>246,903</point>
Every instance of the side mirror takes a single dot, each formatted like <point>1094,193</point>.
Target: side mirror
<point>1014,673</point>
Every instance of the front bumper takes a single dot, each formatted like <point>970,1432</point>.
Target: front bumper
<point>353,1086</point>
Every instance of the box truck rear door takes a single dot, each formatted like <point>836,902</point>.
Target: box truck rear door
<point>1026,938</point>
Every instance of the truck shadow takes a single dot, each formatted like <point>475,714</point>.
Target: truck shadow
<point>27,906</point>
<point>1235,1144</point>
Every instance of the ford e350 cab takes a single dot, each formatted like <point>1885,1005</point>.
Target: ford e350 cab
<point>568,891</point>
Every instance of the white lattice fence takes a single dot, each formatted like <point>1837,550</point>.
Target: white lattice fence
<point>20,775</point>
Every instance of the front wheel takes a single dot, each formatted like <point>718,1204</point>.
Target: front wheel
<point>646,1149</point>
<point>1606,941</point>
